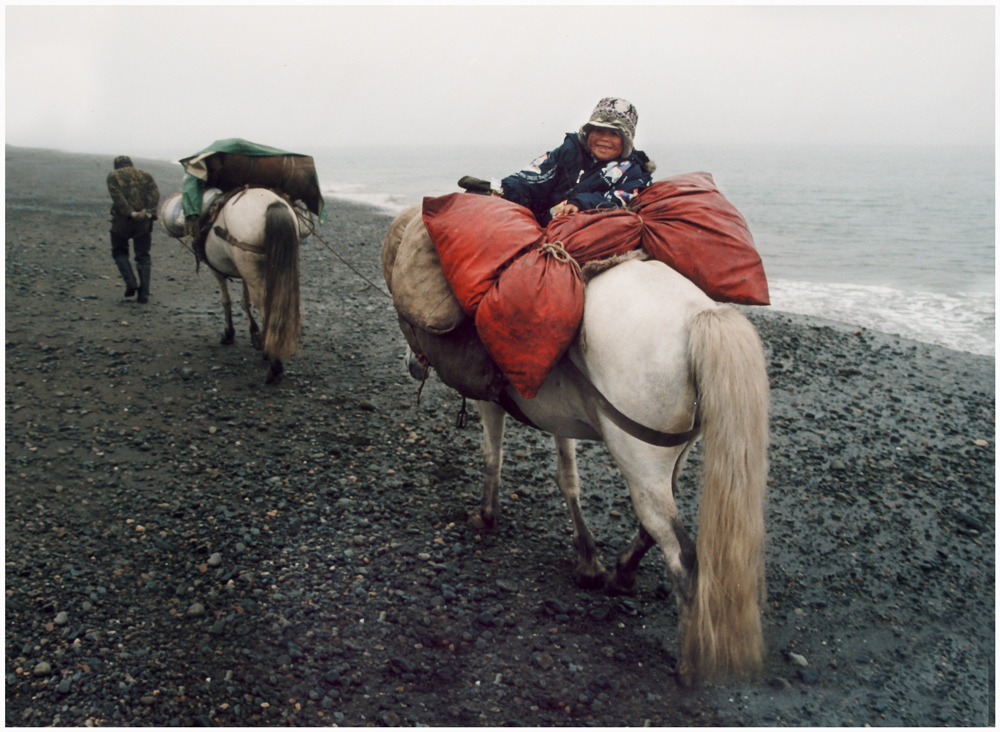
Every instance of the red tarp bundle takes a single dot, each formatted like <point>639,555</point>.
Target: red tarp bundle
<point>527,298</point>
<point>530,316</point>
<point>690,226</point>
<point>476,238</point>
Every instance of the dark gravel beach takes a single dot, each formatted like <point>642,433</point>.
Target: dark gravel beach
<point>186,546</point>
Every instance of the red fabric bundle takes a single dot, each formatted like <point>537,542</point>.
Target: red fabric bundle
<point>690,226</point>
<point>531,316</point>
<point>476,238</point>
<point>591,235</point>
<point>528,302</point>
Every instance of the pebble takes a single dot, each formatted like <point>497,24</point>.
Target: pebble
<point>62,618</point>
<point>196,610</point>
<point>797,660</point>
<point>544,661</point>
<point>215,560</point>
<point>390,719</point>
<point>486,618</point>
<point>42,669</point>
<point>809,676</point>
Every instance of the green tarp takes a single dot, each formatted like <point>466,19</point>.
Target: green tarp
<point>196,171</point>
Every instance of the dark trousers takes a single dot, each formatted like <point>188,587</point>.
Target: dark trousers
<point>141,244</point>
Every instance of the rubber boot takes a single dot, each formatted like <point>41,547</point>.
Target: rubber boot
<point>144,273</point>
<point>125,267</point>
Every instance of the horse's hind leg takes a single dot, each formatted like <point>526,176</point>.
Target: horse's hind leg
<point>255,336</point>
<point>622,577</point>
<point>229,334</point>
<point>277,369</point>
<point>651,475</point>
<point>589,571</point>
<point>493,417</point>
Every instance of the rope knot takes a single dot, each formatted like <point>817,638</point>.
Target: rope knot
<point>557,251</point>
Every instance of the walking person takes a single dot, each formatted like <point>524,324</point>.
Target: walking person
<point>134,199</point>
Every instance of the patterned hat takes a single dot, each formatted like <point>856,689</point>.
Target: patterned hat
<point>614,114</point>
<point>123,161</point>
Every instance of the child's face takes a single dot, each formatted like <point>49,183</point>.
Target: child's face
<point>604,144</point>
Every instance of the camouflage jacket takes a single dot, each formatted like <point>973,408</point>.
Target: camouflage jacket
<point>131,190</point>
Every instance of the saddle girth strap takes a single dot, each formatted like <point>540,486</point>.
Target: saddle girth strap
<point>224,234</point>
<point>623,422</point>
<point>506,401</point>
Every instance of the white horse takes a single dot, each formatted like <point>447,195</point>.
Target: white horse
<point>676,367</point>
<point>255,238</point>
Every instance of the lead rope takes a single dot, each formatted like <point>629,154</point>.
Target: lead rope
<point>350,266</point>
<point>423,380</point>
<point>463,415</point>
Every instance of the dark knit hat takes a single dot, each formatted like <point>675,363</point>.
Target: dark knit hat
<point>123,161</point>
<point>614,114</point>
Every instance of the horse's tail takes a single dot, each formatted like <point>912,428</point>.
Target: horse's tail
<point>282,317</point>
<point>722,634</point>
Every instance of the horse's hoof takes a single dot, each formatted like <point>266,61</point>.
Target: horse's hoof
<point>589,575</point>
<point>481,523</point>
<point>228,339</point>
<point>614,584</point>
<point>589,581</point>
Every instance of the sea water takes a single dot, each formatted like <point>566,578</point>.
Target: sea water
<point>895,239</point>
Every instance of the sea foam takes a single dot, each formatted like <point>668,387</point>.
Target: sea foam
<point>966,322</point>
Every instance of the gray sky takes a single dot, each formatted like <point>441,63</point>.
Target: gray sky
<point>173,79</point>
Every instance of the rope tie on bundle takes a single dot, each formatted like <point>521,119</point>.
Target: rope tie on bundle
<point>557,251</point>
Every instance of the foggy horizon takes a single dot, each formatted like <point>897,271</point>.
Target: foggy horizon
<point>155,81</point>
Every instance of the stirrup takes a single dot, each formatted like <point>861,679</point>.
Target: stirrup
<point>463,417</point>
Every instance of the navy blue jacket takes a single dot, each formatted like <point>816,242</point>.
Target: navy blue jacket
<point>570,173</point>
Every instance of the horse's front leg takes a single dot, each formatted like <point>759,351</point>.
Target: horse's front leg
<point>255,336</point>
<point>589,571</point>
<point>492,416</point>
<point>229,334</point>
